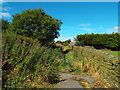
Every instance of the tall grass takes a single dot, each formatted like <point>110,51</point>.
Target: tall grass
<point>28,64</point>
<point>95,62</point>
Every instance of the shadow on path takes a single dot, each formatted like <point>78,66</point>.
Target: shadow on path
<point>66,51</point>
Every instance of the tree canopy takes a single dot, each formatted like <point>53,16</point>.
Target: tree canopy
<point>64,43</point>
<point>5,24</point>
<point>110,41</point>
<point>36,24</point>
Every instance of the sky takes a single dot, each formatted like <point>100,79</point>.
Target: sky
<point>61,0</point>
<point>77,17</point>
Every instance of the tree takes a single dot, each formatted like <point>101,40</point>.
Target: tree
<point>4,24</point>
<point>60,42</point>
<point>36,24</point>
<point>100,41</point>
<point>68,41</point>
<point>64,43</point>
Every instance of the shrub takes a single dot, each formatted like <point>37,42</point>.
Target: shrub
<point>109,41</point>
<point>25,61</point>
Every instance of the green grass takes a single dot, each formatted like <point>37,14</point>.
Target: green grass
<point>25,55</point>
<point>82,60</point>
<point>115,53</point>
<point>65,48</point>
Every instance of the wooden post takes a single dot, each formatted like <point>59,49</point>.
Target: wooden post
<point>72,45</point>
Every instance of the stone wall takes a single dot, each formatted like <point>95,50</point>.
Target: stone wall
<point>104,63</point>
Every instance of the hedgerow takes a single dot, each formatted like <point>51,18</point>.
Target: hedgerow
<point>109,41</point>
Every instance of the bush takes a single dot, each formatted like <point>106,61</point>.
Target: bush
<point>100,41</point>
<point>25,60</point>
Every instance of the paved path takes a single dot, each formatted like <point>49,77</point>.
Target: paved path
<point>66,81</point>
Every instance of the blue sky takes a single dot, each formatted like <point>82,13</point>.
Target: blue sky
<point>60,0</point>
<point>77,17</point>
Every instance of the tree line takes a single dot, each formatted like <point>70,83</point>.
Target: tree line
<point>64,43</point>
<point>99,41</point>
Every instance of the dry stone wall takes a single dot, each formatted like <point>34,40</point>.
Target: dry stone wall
<point>104,63</point>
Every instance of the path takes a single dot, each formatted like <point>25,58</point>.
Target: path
<point>67,81</point>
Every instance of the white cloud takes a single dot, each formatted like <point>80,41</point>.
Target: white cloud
<point>116,28</point>
<point>67,38</point>
<point>5,8</point>
<point>84,24</point>
<point>100,27</point>
<point>111,30</point>
<point>86,29</point>
<point>4,15</point>
<point>2,1</point>
<point>61,38</point>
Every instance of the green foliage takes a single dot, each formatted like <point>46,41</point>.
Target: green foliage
<point>110,41</point>
<point>24,59</point>
<point>4,24</point>
<point>64,43</point>
<point>59,42</point>
<point>36,24</point>
<point>83,59</point>
<point>115,53</point>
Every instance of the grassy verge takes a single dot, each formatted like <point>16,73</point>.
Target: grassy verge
<point>115,53</point>
<point>100,65</point>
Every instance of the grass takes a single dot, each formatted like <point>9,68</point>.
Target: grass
<point>85,61</point>
<point>115,53</point>
<point>22,56</point>
<point>65,48</point>
<point>84,82</point>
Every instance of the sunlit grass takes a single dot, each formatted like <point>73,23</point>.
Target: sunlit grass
<point>84,82</point>
<point>65,48</point>
<point>87,61</point>
<point>115,53</point>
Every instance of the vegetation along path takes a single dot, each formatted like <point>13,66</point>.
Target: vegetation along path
<point>68,81</point>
